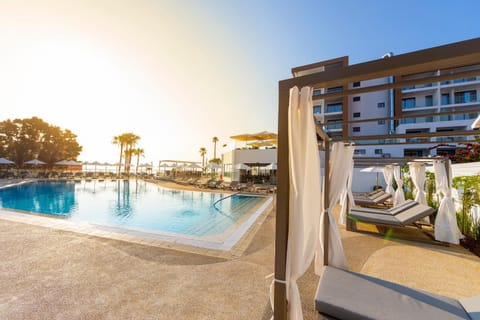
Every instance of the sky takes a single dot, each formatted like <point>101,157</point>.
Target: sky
<point>177,73</point>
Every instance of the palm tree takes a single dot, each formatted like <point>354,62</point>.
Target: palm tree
<point>126,141</point>
<point>131,140</point>
<point>138,152</point>
<point>120,141</point>
<point>214,140</point>
<point>203,152</point>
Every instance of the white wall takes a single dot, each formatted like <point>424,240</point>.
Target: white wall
<point>238,156</point>
<point>365,181</point>
<point>367,106</point>
<point>255,155</point>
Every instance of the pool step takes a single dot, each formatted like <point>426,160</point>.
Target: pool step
<point>230,211</point>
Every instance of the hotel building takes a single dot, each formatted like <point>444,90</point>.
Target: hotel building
<point>413,109</point>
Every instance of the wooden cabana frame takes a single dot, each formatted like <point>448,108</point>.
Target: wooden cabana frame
<point>455,55</point>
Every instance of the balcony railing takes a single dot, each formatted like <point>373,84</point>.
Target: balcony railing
<point>450,117</point>
<point>418,86</point>
<point>464,99</point>
<point>334,108</point>
<point>418,140</point>
<point>410,106</point>
<point>451,139</point>
<point>460,80</point>
<point>445,102</point>
<point>334,127</point>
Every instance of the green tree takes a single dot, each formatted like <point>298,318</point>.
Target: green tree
<point>25,139</point>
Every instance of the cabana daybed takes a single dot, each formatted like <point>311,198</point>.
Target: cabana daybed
<point>343,294</point>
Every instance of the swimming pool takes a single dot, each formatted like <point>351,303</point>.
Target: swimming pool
<point>133,204</point>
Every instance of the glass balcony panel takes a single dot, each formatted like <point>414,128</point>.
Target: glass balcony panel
<point>334,108</point>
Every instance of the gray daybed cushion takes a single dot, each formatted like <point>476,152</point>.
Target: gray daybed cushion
<point>413,214</point>
<point>403,218</point>
<point>375,218</point>
<point>392,211</point>
<point>347,295</point>
<point>404,206</point>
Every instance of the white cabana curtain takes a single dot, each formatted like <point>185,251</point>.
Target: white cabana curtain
<point>399,196</point>
<point>446,228</point>
<point>305,194</point>
<point>388,176</point>
<point>346,199</point>
<point>417,172</point>
<point>338,177</point>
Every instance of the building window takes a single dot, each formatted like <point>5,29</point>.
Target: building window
<point>334,107</point>
<point>408,120</point>
<point>378,151</point>
<point>466,96</point>
<point>356,129</point>
<point>445,98</point>
<point>381,105</point>
<point>381,122</point>
<point>335,89</point>
<point>408,103</point>
<point>356,114</point>
<point>356,84</point>
<point>334,124</point>
<point>360,151</point>
<point>356,98</point>
<point>317,109</point>
<point>428,101</point>
<point>317,92</point>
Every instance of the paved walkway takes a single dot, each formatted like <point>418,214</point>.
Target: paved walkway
<point>55,274</point>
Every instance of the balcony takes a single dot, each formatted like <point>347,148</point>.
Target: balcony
<point>459,82</point>
<point>451,139</point>
<point>333,127</point>
<point>418,87</point>
<point>335,89</point>
<point>334,108</point>
<point>410,107</point>
<point>461,102</point>
<point>450,117</point>
<point>457,117</point>
<point>418,140</point>
<point>418,120</point>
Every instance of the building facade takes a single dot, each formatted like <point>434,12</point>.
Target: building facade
<point>413,109</point>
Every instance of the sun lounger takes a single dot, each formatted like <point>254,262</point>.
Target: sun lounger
<point>391,211</point>
<point>407,214</point>
<point>233,185</point>
<point>398,217</point>
<point>348,295</point>
<point>202,183</point>
<point>214,184</point>
<point>374,199</point>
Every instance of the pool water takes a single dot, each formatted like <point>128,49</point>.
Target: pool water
<point>137,204</point>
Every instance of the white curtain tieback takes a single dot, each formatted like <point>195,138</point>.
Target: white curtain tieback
<point>275,279</point>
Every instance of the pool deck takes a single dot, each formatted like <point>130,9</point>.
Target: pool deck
<point>50,273</point>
